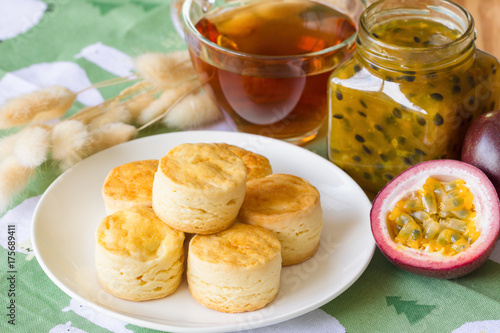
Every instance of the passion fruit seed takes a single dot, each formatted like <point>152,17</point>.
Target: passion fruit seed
<point>397,113</point>
<point>359,138</point>
<point>339,95</point>
<point>438,120</point>
<point>440,217</point>
<point>437,97</point>
<point>471,81</point>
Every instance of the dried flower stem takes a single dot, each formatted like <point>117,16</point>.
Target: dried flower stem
<point>112,82</point>
<point>87,114</point>
<point>115,113</point>
<point>90,112</point>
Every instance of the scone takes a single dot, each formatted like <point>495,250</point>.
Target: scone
<point>129,185</point>
<point>236,270</point>
<point>258,166</point>
<point>199,188</point>
<point>138,257</point>
<point>290,207</point>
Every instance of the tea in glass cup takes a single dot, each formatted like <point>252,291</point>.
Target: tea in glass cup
<point>266,63</point>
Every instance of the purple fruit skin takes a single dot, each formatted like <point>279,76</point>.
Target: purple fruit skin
<point>481,146</point>
<point>462,268</point>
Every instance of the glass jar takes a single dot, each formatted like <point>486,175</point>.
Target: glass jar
<point>409,92</point>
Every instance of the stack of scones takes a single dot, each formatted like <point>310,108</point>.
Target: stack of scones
<point>242,221</point>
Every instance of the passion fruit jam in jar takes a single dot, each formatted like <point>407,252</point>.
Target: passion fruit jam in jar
<point>410,91</point>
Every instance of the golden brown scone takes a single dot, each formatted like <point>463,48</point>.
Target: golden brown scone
<point>236,270</point>
<point>258,166</point>
<point>138,257</point>
<point>199,188</point>
<point>290,207</point>
<point>129,185</point>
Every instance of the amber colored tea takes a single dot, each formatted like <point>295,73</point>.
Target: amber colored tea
<point>282,92</point>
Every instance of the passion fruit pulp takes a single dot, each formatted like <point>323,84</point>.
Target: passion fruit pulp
<point>439,218</point>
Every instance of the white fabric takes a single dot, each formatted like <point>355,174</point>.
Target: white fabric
<point>19,16</point>
<point>46,74</point>
<point>108,58</point>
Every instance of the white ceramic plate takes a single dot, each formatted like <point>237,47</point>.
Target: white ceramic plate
<point>68,213</point>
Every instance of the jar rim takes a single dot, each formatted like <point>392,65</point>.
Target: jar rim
<point>381,49</point>
<point>190,26</point>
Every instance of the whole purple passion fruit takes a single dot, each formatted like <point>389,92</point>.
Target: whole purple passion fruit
<point>439,218</point>
<point>481,146</point>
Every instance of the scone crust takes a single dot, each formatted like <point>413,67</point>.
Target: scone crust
<point>290,207</point>
<point>203,166</point>
<point>199,188</point>
<point>138,257</point>
<point>257,165</point>
<point>130,184</point>
<point>236,270</point>
<point>240,246</point>
<point>273,199</point>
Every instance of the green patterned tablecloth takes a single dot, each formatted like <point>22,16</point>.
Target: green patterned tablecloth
<point>71,43</point>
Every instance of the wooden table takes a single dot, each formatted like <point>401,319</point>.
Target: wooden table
<point>487,21</point>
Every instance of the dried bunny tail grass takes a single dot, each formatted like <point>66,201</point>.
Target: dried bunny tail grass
<point>32,146</point>
<point>192,111</point>
<point>114,114</point>
<point>134,89</point>
<point>165,70</point>
<point>15,178</point>
<point>67,138</point>
<point>7,144</point>
<point>44,104</point>
<point>110,135</point>
<point>87,114</point>
<point>156,109</point>
<point>137,97</point>
<point>94,141</point>
<point>135,105</point>
<point>115,107</point>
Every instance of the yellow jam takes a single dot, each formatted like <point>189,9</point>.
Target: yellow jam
<point>415,33</point>
<point>385,118</point>
<point>439,217</point>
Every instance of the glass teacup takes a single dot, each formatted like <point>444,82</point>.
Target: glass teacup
<point>266,63</point>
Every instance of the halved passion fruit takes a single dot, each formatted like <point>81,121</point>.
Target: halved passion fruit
<point>438,218</point>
